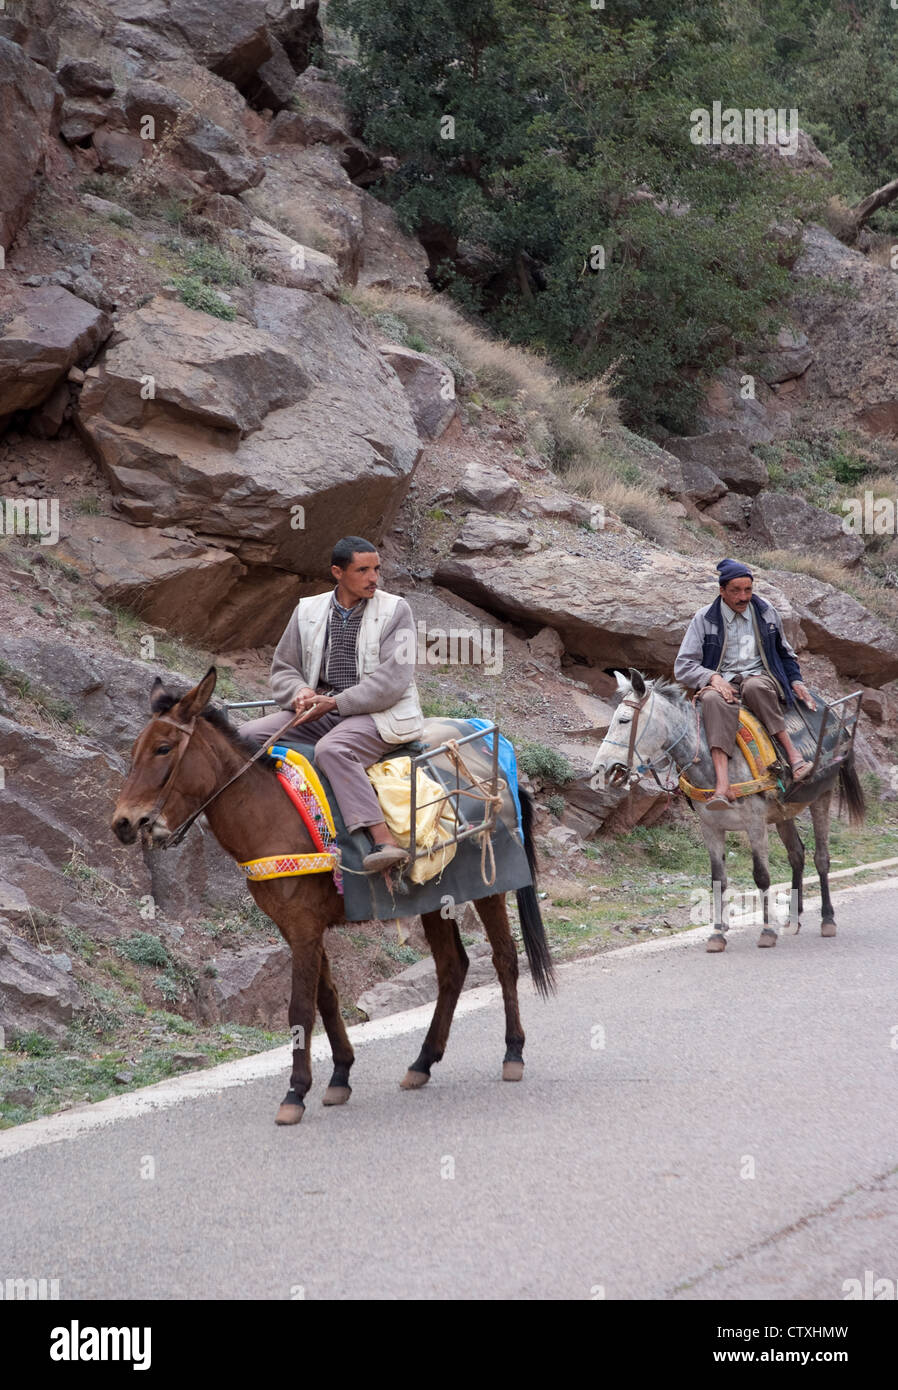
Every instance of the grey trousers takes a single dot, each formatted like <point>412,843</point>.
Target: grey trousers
<point>343,749</point>
<point>757,693</point>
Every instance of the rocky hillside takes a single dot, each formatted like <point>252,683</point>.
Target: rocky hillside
<point>219,352</point>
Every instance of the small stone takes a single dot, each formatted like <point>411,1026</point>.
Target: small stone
<point>189,1059</point>
<point>22,1095</point>
<point>123,1077</point>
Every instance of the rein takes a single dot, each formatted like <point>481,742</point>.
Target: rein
<point>177,835</point>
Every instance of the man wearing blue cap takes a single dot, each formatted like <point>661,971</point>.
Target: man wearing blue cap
<point>735,651</point>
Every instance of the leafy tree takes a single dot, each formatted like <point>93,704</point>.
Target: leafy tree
<point>555,139</point>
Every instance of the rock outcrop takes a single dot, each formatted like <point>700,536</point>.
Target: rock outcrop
<point>36,993</point>
<point>30,105</point>
<point>254,439</point>
<point>606,615</point>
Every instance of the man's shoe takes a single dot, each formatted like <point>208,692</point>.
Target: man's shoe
<point>384,857</point>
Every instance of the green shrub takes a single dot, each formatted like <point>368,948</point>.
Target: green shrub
<point>143,948</point>
<point>538,760</point>
<point>196,294</point>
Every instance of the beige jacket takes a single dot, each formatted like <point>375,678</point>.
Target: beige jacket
<point>386,647</point>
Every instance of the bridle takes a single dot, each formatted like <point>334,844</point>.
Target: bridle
<point>186,731</point>
<point>637,706</point>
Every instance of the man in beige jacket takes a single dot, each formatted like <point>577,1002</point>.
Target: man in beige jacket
<point>346,664</point>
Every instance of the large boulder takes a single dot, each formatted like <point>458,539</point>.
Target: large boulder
<point>234,43</point>
<point>179,583</point>
<point>785,522</point>
<point>488,487</point>
<point>251,986</point>
<point>81,77</point>
<point>429,386</point>
<point>726,454</point>
<point>174,363</point>
<point>32,24</point>
<point>608,611</point>
<point>45,331</point>
<point>267,440</point>
<point>307,193</point>
<point>203,146</point>
<point>30,103</point>
<point>36,993</point>
<point>858,643</point>
<point>418,983</point>
<point>854,376</point>
<point>483,533</point>
<point>283,261</point>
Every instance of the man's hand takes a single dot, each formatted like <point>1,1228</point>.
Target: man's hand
<point>316,707</point>
<point>724,688</point>
<point>303,697</point>
<point>804,695</point>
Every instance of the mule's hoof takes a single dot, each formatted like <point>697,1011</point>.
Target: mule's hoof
<point>827,928</point>
<point>767,937</point>
<point>512,1071</point>
<point>414,1080</point>
<point>289,1114</point>
<point>336,1095</point>
<point>717,942</point>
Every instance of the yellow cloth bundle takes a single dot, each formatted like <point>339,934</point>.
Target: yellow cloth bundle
<point>435,816</point>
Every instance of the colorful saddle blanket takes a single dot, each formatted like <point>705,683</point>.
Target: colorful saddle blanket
<point>756,747</point>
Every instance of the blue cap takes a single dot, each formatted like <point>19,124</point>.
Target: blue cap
<point>733,569</point>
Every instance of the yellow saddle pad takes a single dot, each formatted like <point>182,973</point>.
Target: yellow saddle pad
<point>756,746</point>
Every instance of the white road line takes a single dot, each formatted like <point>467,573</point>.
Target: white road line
<point>71,1124</point>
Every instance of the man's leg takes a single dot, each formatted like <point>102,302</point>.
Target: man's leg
<point>261,731</point>
<point>343,754</point>
<point>761,696</point>
<point>721,723</point>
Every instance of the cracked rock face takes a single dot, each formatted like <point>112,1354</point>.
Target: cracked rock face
<point>264,440</point>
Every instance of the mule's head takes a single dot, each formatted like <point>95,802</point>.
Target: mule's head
<point>169,776</point>
<point>616,764</point>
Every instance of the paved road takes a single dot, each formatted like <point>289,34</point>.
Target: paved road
<point>624,1168</point>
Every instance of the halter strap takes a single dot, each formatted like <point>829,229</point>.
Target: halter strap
<point>177,835</point>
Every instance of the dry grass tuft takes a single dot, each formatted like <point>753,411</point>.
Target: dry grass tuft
<point>574,424</point>
<point>879,598</point>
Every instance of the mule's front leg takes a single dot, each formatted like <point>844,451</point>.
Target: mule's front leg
<point>306,967</point>
<point>339,1089</point>
<point>715,842</point>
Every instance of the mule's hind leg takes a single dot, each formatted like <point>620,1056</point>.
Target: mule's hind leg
<point>759,839</point>
<point>820,810</point>
<point>339,1089</point>
<point>494,916</point>
<point>788,833</point>
<point>451,963</point>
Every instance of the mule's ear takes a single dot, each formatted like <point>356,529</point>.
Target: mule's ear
<point>622,682</point>
<point>196,700</point>
<point>637,682</point>
<point>160,699</point>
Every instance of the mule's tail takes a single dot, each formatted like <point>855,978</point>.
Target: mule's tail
<point>532,929</point>
<point>852,792</point>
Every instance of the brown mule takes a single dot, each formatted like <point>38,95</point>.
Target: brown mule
<point>189,754</point>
